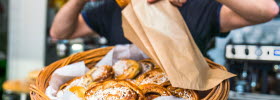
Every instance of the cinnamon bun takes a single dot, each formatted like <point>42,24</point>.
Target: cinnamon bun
<point>155,76</point>
<point>77,86</point>
<point>146,65</point>
<point>101,73</point>
<point>152,91</point>
<point>126,69</point>
<point>114,90</point>
<point>183,93</point>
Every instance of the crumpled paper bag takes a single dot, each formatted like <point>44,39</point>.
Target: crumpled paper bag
<point>160,31</point>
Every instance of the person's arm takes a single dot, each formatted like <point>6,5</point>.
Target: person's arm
<point>69,23</point>
<point>239,13</point>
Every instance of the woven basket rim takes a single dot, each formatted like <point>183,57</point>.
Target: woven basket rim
<point>95,55</point>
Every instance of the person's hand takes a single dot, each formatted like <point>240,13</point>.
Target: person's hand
<point>174,2</point>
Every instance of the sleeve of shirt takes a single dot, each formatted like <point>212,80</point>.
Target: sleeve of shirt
<point>215,9</point>
<point>92,18</point>
<point>218,23</point>
<point>202,16</point>
<point>95,15</point>
<point>203,20</point>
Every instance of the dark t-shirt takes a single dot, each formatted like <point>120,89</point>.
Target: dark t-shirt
<point>201,16</point>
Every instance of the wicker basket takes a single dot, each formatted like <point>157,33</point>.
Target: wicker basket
<point>91,57</point>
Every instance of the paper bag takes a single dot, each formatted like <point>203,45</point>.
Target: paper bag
<point>160,31</point>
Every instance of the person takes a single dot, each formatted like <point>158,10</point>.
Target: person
<point>205,18</point>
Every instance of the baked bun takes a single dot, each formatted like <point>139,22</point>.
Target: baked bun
<point>183,93</point>
<point>146,65</point>
<point>78,91</point>
<point>152,91</point>
<point>33,75</point>
<point>118,82</point>
<point>126,69</point>
<point>78,86</point>
<point>114,90</point>
<point>155,76</point>
<point>101,73</point>
<point>18,86</point>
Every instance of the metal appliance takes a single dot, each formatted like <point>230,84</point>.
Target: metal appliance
<point>255,65</point>
<point>253,53</point>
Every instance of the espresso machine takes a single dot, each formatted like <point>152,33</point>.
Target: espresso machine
<point>253,53</point>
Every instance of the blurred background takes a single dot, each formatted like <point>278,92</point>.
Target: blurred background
<point>253,53</point>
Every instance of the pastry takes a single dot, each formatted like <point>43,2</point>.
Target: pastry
<point>166,84</point>
<point>119,83</point>
<point>146,65</point>
<point>179,92</point>
<point>101,73</point>
<point>18,86</point>
<point>78,90</point>
<point>183,93</point>
<point>32,76</point>
<point>92,84</point>
<point>152,91</point>
<point>155,76</point>
<point>78,86</point>
<point>114,90</point>
<point>126,69</point>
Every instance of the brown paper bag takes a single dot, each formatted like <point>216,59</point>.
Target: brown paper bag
<point>160,31</point>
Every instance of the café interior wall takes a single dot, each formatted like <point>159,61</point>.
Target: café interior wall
<point>26,37</point>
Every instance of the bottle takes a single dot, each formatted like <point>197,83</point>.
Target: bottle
<point>123,3</point>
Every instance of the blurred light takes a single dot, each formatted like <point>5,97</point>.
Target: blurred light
<point>61,47</point>
<point>244,74</point>
<point>61,50</point>
<point>77,47</point>
<point>276,68</point>
<point>103,40</point>
<point>253,84</point>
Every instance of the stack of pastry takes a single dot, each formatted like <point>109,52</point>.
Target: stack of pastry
<point>125,80</point>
